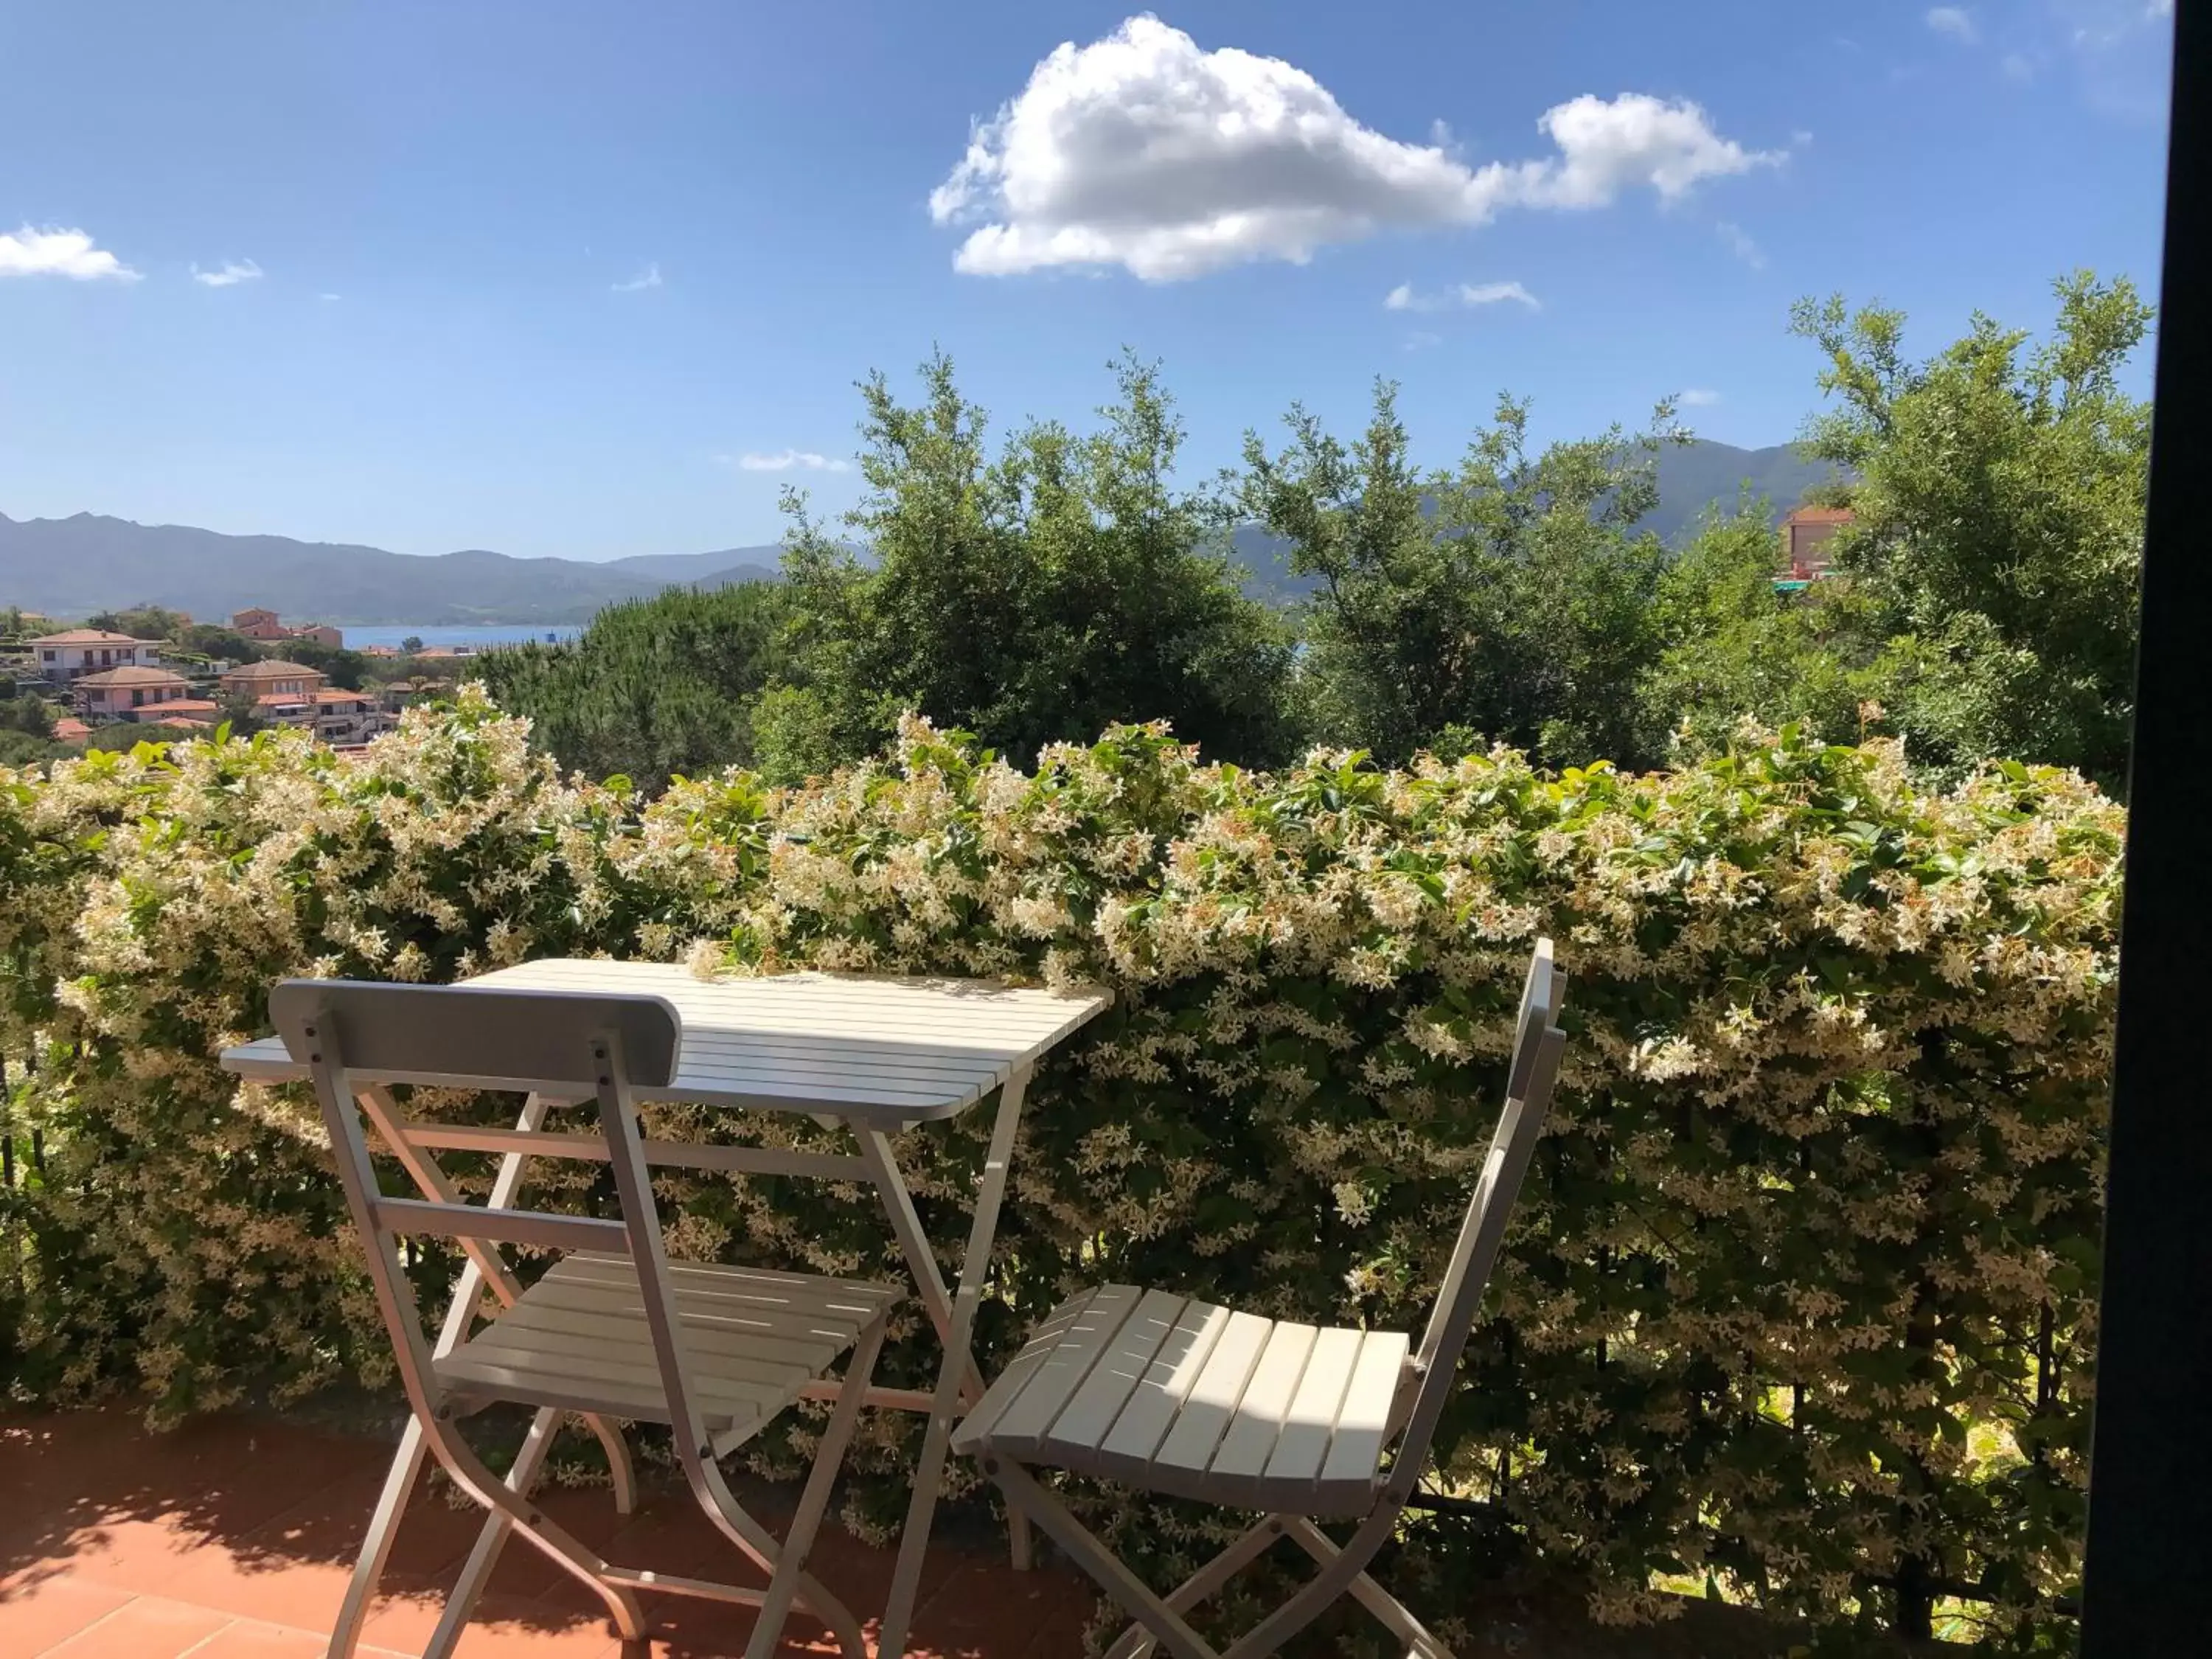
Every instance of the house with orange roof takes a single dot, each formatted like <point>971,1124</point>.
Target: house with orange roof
<point>205,710</point>
<point>255,624</point>
<point>292,681</point>
<point>118,693</point>
<point>344,718</point>
<point>71,654</point>
<point>259,623</point>
<point>1805,534</point>
<point>70,729</point>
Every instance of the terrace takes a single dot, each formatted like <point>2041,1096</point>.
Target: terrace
<point>232,1538</point>
<point>235,1535</point>
<point>1699,1362</point>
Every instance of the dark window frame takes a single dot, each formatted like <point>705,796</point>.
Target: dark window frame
<point>2150,1485</point>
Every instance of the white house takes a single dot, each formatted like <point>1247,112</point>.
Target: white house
<point>67,656</point>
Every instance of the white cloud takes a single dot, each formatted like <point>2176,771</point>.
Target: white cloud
<point>2018,66</point>
<point>328,296</point>
<point>1142,150</point>
<point>784,460</point>
<point>1699,397</point>
<point>1739,244</point>
<point>54,252</point>
<point>1464,294</point>
<point>1954,21</point>
<point>2120,53</point>
<point>1420,340</point>
<point>649,277</point>
<point>234,272</point>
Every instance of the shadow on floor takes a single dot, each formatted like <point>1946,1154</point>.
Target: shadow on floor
<point>263,1519</point>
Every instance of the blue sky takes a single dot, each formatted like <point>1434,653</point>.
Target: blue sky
<point>541,277</point>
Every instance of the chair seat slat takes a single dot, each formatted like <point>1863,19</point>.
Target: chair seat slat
<point>1082,1423</point>
<point>1309,1424</point>
<point>1159,1395</point>
<point>1049,1386</point>
<point>1189,1444</point>
<point>1257,1425</point>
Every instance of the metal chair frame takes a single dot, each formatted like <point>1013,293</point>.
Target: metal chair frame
<point>1416,1404</point>
<point>555,1047</point>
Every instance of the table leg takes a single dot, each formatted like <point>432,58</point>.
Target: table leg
<point>936,1300</point>
<point>959,1364</point>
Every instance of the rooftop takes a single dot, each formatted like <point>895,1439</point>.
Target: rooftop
<point>115,678</point>
<point>90,636</point>
<point>1819,515</point>
<point>276,669</point>
<point>338,694</point>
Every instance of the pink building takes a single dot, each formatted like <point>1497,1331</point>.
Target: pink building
<point>119,693</point>
<point>1805,535</point>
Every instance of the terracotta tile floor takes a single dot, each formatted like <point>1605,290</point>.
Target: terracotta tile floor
<point>234,1537</point>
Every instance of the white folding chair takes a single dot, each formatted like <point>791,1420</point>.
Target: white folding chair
<point>1163,1393</point>
<point>610,1330</point>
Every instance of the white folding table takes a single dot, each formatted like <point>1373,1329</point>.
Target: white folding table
<point>877,1055</point>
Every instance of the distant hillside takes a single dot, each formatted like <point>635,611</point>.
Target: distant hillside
<point>1692,478</point>
<point>74,567</point>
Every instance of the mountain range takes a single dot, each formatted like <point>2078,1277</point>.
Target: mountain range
<point>75,565</point>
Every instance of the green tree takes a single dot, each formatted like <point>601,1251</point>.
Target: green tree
<point>22,712</point>
<point>142,621</point>
<point>1067,584</point>
<point>20,748</point>
<point>346,668</point>
<point>240,713</point>
<point>411,644</point>
<point>654,688</point>
<point>1509,599</point>
<point>1732,647</point>
<point>214,641</point>
<point>1999,506</point>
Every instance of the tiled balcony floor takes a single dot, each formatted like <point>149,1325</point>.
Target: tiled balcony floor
<point>234,1536</point>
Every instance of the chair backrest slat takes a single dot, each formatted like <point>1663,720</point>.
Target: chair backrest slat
<point>523,1041</point>
<point>1531,1077</point>
<point>538,1229</point>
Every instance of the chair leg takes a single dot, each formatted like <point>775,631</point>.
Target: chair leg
<point>828,1457</point>
<point>623,1477</point>
<point>476,1572</point>
<point>376,1548</point>
<point>1392,1614</point>
<point>1137,1641</point>
<point>1337,1575</point>
<point>1136,1597</point>
<point>567,1551</point>
<point>759,1546</point>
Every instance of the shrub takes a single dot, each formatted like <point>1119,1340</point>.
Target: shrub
<point>1800,1293</point>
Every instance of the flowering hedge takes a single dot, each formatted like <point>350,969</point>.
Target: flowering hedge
<point>1799,1294</point>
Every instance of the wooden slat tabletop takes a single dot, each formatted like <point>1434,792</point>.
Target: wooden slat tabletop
<point>887,1051</point>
